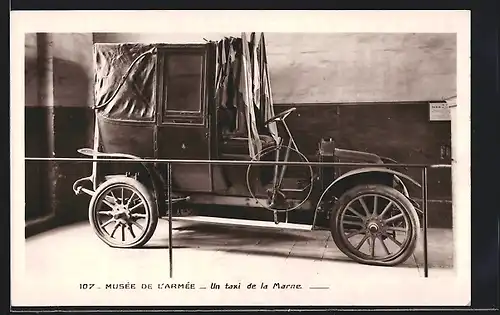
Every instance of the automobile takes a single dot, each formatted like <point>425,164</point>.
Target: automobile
<point>212,102</point>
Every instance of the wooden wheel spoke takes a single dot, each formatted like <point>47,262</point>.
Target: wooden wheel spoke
<point>363,204</point>
<point>394,218</point>
<point>136,206</point>
<point>353,222</point>
<point>111,199</point>
<point>362,242</point>
<point>356,213</point>
<point>129,226</point>
<point>117,225</point>
<point>392,238</point>
<point>107,203</point>
<point>375,205</point>
<point>139,215</point>
<point>383,245</point>
<point>138,225</point>
<point>372,246</point>
<point>348,216</point>
<point>131,198</point>
<point>397,228</point>
<point>105,212</point>
<point>123,233</point>
<point>357,232</point>
<point>107,223</point>
<point>387,207</point>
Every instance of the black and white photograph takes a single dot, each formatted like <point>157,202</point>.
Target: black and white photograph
<point>257,158</point>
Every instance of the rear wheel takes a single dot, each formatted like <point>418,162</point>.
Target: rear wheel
<point>375,225</point>
<point>123,213</point>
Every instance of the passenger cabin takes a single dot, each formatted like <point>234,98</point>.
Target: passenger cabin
<point>190,101</point>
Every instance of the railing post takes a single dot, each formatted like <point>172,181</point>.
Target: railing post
<point>169,209</point>
<point>424,209</point>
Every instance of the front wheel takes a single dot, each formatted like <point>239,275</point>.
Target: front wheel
<point>123,213</point>
<point>375,225</point>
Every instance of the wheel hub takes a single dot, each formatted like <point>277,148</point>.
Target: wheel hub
<point>121,212</point>
<point>373,227</point>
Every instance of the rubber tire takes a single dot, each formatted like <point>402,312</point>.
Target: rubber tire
<point>139,188</point>
<point>387,192</point>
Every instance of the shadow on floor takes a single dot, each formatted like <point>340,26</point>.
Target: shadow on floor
<point>253,241</point>
<point>316,245</point>
<point>205,236</point>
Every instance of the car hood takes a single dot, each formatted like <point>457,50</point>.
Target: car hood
<point>347,156</point>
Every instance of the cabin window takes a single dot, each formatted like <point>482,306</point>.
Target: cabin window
<point>183,79</point>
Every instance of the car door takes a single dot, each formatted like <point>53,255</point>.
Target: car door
<point>184,124</point>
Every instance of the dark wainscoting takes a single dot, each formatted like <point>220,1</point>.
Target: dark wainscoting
<point>73,127</point>
<point>401,131</point>
<point>36,145</point>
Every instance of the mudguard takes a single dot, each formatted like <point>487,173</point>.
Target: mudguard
<point>157,180</point>
<point>367,170</point>
<point>398,175</point>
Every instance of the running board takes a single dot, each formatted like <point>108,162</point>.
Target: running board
<point>247,223</point>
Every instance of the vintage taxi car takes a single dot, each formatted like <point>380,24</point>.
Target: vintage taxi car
<point>213,102</point>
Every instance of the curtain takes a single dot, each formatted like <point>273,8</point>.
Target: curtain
<point>267,105</point>
<point>243,89</point>
<point>124,81</point>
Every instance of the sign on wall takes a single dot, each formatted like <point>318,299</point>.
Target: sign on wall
<point>439,111</point>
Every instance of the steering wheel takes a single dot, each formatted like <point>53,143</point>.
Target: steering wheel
<point>280,116</point>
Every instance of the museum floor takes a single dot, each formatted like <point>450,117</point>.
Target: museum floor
<point>204,255</point>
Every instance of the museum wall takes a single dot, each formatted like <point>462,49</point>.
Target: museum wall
<point>345,67</point>
<point>58,120</point>
<point>369,91</point>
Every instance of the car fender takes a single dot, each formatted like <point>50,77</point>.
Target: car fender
<point>398,175</point>
<point>157,180</point>
<point>367,170</point>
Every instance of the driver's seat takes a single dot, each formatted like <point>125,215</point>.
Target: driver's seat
<point>237,146</point>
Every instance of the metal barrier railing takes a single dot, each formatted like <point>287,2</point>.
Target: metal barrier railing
<point>424,185</point>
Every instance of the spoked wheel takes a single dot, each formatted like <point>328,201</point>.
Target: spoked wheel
<point>375,225</point>
<point>123,213</point>
<point>293,183</point>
